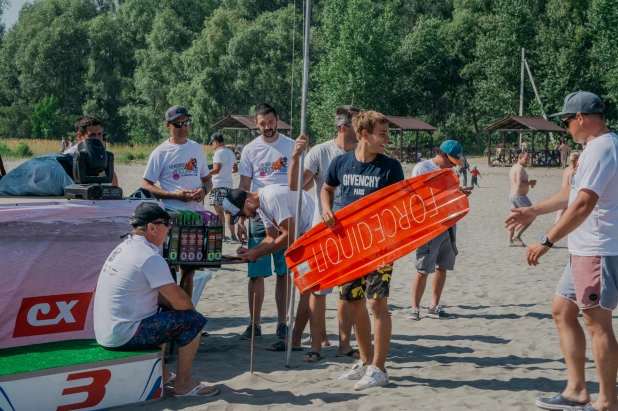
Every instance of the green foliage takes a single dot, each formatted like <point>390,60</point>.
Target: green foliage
<point>22,150</point>
<point>452,63</point>
<point>4,149</point>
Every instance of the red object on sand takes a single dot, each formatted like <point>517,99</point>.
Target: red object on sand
<point>377,229</point>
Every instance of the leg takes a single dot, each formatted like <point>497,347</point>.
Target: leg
<point>344,316</point>
<point>256,286</point>
<point>184,383</point>
<point>520,232</point>
<point>573,344</point>
<point>418,289</point>
<point>166,372</point>
<point>282,297</point>
<point>382,331</point>
<point>437,284</point>
<point>362,328</point>
<point>604,348</point>
<point>221,213</point>
<point>303,315</point>
<point>317,312</point>
<point>186,277</point>
<point>230,226</point>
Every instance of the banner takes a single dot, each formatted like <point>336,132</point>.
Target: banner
<point>51,254</point>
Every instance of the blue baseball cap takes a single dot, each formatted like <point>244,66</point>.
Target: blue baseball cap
<point>581,102</point>
<point>453,150</point>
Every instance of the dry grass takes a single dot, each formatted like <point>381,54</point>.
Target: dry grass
<point>122,152</point>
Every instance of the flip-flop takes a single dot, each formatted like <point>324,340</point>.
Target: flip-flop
<point>589,407</point>
<point>559,402</point>
<point>198,388</point>
<point>170,379</point>
<point>348,354</point>
<point>280,346</point>
<point>311,354</point>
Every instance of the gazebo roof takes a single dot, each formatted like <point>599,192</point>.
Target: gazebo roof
<point>242,122</point>
<point>517,123</point>
<point>408,124</point>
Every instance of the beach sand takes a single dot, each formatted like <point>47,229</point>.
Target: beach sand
<point>498,351</point>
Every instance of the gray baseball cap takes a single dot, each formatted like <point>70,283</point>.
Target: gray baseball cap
<point>581,102</point>
<point>176,111</point>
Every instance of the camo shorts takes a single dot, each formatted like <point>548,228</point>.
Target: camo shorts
<point>373,285</point>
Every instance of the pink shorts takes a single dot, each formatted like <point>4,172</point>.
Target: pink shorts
<point>590,282</point>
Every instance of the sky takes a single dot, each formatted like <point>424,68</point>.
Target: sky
<point>12,12</point>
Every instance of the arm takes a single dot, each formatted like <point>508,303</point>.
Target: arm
<point>200,193</point>
<point>241,229</point>
<point>276,239</point>
<point>216,169</point>
<point>235,168</point>
<point>183,195</point>
<point>177,298</point>
<point>301,145</point>
<point>523,216</point>
<point>327,197</point>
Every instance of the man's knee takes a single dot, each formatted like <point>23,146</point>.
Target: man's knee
<point>598,321</point>
<point>256,280</point>
<point>378,306</point>
<point>563,310</point>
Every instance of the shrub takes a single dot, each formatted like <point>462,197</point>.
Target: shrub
<point>129,156</point>
<point>23,150</point>
<point>4,149</point>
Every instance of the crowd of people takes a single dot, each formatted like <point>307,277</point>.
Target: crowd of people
<point>263,208</point>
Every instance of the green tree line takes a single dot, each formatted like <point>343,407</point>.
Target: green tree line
<point>452,63</point>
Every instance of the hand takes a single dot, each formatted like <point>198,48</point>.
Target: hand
<point>302,142</point>
<point>241,231</point>
<point>519,218</point>
<point>199,194</point>
<point>184,195</point>
<point>536,251</point>
<point>246,254</point>
<point>328,218</point>
<point>466,190</point>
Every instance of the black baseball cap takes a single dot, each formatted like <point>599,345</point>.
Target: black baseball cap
<point>174,112</point>
<point>148,212</point>
<point>581,102</point>
<point>218,137</point>
<point>233,204</point>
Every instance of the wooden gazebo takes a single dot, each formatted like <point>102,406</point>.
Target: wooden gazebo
<point>238,122</point>
<point>506,156</point>
<point>402,124</point>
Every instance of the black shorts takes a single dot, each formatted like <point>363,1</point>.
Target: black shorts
<point>373,285</point>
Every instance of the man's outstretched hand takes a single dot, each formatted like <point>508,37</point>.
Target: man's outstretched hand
<point>519,218</point>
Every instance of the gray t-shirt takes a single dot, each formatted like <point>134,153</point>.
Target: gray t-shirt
<point>317,161</point>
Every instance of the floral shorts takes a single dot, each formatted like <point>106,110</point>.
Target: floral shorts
<point>164,327</point>
<point>217,195</point>
<point>373,285</point>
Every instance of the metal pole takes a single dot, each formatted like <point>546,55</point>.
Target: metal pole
<point>303,130</point>
<point>521,88</point>
<point>536,93</point>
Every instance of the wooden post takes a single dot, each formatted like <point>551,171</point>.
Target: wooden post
<point>416,150</point>
<point>489,148</point>
<point>252,333</point>
<point>401,146</point>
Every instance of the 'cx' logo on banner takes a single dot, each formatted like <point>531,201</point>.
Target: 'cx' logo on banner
<point>52,314</point>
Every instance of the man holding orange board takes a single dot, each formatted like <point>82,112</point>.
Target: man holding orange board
<point>359,173</point>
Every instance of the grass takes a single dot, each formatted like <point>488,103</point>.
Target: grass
<point>16,149</point>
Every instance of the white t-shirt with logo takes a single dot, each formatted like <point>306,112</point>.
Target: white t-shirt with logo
<point>178,167</point>
<point>266,163</point>
<point>597,170</point>
<point>126,291</point>
<point>227,159</point>
<point>278,203</point>
<point>317,161</point>
<point>424,167</point>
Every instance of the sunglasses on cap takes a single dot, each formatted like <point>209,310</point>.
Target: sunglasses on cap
<point>179,124</point>
<point>164,222</point>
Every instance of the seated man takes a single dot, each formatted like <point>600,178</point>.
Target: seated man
<point>134,281</point>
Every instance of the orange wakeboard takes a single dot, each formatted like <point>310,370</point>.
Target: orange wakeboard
<point>376,230</point>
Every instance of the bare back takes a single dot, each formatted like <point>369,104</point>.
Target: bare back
<point>519,180</point>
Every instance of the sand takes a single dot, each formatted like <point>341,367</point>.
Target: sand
<point>498,351</point>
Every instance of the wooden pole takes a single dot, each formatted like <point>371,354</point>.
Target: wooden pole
<point>252,333</point>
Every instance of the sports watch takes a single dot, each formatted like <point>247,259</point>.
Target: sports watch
<point>545,241</point>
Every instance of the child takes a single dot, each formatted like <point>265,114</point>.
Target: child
<point>475,174</point>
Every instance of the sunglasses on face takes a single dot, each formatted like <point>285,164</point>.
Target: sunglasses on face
<point>164,222</point>
<point>182,123</point>
<point>565,120</point>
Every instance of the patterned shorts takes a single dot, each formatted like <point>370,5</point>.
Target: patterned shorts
<point>217,195</point>
<point>373,285</point>
<point>161,328</point>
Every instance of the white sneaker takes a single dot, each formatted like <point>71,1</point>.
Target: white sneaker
<point>373,377</point>
<point>356,373</point>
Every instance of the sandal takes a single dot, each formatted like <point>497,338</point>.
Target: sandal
<point>194,392</point>
<point>280,346</point>
<point>349,354</point>
<point>170,379</point>
<point>310,354</point>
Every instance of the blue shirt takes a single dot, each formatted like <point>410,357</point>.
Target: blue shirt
<point>358,180</point>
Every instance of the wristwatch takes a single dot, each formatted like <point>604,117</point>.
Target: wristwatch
<point>545,241</point>
<point>204,188</point>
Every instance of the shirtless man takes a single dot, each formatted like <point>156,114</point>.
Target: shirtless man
<point>520,185</point>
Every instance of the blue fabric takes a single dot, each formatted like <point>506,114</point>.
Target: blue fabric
<point>358,180</point>
<point>262,267</point>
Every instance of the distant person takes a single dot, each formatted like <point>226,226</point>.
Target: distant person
<point>524,146</point>
<point>567,178</point>
<point>475,175</point>
<point>134,282</point>
<point>71,142</point>
<point>63,144</point>
<point>179,166</point>
<point>564,150</point>
<point>520,185</point>
<point>437,256</point>
<point>223,165</point>
<point>88,127</point>
<point>463,171</point>
<point>589,283</point>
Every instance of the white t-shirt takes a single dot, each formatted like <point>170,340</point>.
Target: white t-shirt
<point>317,161</point>
<point>71,150</point>
<point>178,167</point>
<point>126,291</point>
<point>266,163</point>
<point>597,170</point>
<point>424,167</point>
<point>227,159</point>
<point>278,203</point>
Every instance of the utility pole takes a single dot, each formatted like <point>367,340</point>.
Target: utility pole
<point>521,88</point>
